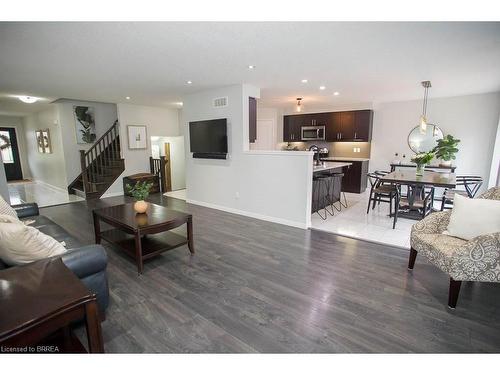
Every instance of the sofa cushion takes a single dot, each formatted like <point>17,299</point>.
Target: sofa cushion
<point>6,209</point>
<point>47,226</point>
<point>23,244</point>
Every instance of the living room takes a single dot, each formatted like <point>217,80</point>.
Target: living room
<point>250,255</point>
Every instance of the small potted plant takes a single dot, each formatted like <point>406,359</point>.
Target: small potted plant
<point>446,149</point>
<point>421,160</point>
<point>140,192</point>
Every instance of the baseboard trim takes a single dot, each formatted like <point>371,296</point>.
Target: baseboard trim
<point>109,195</point>
<point>253,215</point>
<point>65,191</point>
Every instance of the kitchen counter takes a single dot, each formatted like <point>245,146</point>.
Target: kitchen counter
<point>341,158</point>
<point>329,165</point>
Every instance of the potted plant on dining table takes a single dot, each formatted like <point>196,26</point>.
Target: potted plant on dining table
<point>446,149</point>
<point>421,160</point>
<point>140,191</point>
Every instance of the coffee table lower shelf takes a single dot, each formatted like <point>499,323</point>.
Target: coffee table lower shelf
<point>152,244</point>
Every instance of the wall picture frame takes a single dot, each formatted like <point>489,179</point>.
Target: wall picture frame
<point>39,141</point>
<point>137,137</point>
<point>84,124</point>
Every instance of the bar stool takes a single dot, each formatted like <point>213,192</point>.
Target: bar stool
<point>339,176</point>
<point>321,187</point>
<point>333,177</point>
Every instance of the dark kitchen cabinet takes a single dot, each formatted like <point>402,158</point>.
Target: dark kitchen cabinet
<point>355,176</point>
<point>252,119</point>
<point>345,126</point>
<point>363,125</point>
<point>292,128</point>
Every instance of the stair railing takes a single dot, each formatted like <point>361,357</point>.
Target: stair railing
<point>97,158</point>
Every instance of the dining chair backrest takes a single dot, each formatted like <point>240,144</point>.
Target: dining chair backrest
<point>373,177</point>
<point>471,184</point>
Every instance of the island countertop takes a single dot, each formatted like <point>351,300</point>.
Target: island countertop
<point>329,165</point>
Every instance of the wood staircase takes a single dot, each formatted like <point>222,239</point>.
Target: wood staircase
<point>101,165</point>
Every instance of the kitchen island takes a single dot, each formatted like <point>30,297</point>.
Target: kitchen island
<point>319,189</point>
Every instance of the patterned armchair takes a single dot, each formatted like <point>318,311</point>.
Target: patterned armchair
<point>474,260</point>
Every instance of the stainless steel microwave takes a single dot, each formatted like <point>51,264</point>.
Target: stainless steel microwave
<point>313,133</point>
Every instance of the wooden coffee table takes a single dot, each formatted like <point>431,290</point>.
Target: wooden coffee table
<point>41,299</point>
<point>143,236</point>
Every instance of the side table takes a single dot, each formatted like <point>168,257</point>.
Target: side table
<point>41,298</point>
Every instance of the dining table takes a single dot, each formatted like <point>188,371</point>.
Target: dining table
<point>417,185</point>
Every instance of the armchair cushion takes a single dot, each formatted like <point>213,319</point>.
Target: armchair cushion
<point>473,217</point>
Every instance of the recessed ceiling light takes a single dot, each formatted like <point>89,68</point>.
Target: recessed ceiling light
<point>251,67</point>
<point>336,93</point>
<point>322,87</point>
<point>189,82</point>
<point>304,81</point>
<point>28,99</point>
<point>179,104</point>
<point>127,97</point>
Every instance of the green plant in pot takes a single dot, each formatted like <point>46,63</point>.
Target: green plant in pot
<point>446,149</point>
<point>421,160</point>
<point>140,191</point>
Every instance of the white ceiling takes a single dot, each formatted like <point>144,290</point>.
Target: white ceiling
<point>151,62</point>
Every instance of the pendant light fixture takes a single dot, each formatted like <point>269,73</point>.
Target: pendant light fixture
<point>299,105</point>
<point>423,118</point>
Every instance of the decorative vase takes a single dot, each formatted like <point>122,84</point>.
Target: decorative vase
<point>445,163</point>
<point>420,170</point>
<point>140,207</point>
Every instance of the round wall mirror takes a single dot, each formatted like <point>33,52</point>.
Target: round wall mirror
<point>420,142</point>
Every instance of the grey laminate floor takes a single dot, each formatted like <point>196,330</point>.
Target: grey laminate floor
<point>255,286</point>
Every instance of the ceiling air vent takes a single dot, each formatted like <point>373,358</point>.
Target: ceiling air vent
<point>220,102</point>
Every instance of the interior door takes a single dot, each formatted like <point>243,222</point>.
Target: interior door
<point>267,138</point>
<point>168,163</point>
<point>10,154</point>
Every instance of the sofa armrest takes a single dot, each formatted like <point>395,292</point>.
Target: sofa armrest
<point>26,209</point>
<point>478,259</point>
<point>435,223</point>
<point>85,261</point>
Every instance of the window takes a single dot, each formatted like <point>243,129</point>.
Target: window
<point>7,156</point>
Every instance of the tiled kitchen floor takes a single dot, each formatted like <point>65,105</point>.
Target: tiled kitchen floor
<point>42,194</point>
<point>375,226</point>
<point>179,194</point>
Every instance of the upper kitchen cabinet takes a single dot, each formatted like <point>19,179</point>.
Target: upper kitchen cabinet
<point>350,126</point>
<point>363,125</point>
<point>292,128</point>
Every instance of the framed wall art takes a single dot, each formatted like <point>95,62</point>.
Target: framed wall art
<point>137,137</point>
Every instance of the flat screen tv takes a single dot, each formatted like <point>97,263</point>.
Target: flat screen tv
<point>208,139</point>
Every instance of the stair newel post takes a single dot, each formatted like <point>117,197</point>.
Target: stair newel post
<point>163,165</point>
<point>83,166</point>
<point>151,165</point>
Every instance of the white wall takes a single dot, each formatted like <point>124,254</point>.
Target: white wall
<point>47,168</point>
<point>473,119</point>
<point>17,123</point>
<point>273,186</point>
<point>159,121</point>
<point>494,178</point>
<point>105,116</point>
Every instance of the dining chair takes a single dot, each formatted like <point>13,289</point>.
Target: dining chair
<point>423,202</point>
<point>380,192</point>
<point>468,186</point>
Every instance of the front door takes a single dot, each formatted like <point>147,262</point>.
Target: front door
<point>10,154</point>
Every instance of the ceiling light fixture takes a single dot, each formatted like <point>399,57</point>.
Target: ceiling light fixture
<point>304,81</point>
<point>27,99</point>
<point>127,97</point>
<point>322,87</point>
<point>423,118</point>
<point>189,82</point>
<point>336,93</point>
<point>299,108</point>
<point>251,67</point>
